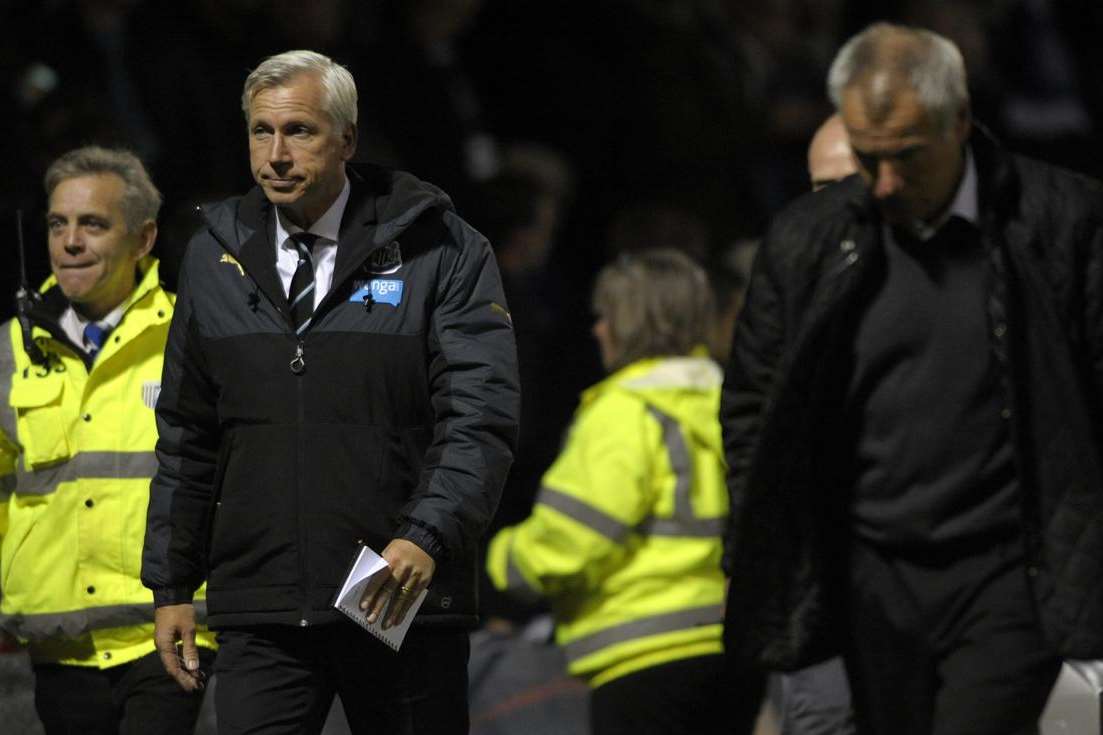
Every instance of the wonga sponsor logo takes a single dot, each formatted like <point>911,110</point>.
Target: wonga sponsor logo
<point>380,291</point>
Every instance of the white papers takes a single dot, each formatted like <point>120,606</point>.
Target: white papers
<point>367,565</point>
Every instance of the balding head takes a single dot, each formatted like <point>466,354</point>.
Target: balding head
<point>829,157</point>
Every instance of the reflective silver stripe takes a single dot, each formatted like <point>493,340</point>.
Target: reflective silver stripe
<point>684,523</point>
<point>113,465</point>
<point>654,625</point>
<point>7,373</point>
<point>78,622</point>
<point>679,463</point>
<point>588,516</point>
<point>516,584</point>
<point>695,527</point>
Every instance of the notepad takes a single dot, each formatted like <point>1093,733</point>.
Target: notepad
<point>366,565</point>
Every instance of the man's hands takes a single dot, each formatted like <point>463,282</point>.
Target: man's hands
<point>411,570</point>
<point>389,592</point>
<point>172,624</point>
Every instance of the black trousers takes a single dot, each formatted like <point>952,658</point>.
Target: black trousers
<point>135,698</point>
<point>276,679</point>
<point>693,696</point>
<point>951,647</point>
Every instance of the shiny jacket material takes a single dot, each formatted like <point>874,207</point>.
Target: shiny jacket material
<point>393,416</point>
<point>76,458</point>
<point>625,536</point>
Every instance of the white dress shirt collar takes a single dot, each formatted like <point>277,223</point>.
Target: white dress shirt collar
<point>324,252</point>
<point>73,324</point>
<point>327,227</point>
<point>964,203</point>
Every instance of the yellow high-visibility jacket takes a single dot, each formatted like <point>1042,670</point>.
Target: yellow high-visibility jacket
<point>625,536</point>
<point>76,458</point>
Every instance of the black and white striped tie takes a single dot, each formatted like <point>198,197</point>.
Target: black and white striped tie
<point>301,293</point>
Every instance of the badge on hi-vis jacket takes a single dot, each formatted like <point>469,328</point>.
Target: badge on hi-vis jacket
<point>151,390</point>
<point>379,291</point>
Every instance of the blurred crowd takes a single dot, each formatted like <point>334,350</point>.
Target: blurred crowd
<point>567,132</point>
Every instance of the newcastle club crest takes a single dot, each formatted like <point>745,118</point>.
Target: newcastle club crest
<point>386,260</point>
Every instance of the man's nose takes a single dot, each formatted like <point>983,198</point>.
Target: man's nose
<point>279,155</point>
<point>887,181</point>
<point>74,243</point>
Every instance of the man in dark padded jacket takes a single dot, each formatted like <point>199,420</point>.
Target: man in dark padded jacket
<point>912,413</point>
<point>340,371</point>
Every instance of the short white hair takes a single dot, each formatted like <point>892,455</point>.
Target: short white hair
<point>930,63</point>
<point>339,88</point>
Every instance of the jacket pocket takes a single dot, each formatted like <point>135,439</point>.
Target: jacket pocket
<point>42,424</point>
<point>21,525</point>
<point>254,530</point>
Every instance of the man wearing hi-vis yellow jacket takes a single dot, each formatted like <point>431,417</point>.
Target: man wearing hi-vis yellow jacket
<point>624,539</point>
<point>79,377</point>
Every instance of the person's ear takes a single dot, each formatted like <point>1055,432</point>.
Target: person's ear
<point>963,126</point>
<point>147,235</point>
<point>348,141</point>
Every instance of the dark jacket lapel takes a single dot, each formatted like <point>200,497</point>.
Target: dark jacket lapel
<point>258,252</point>
<point>354,242</point>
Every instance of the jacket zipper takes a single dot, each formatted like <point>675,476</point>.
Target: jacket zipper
<point>851,257</point>
<point>850,249</point>
<point>298,366</point>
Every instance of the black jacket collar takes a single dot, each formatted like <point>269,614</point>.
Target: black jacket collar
<point>368,183</point>
<point>997,185</point>
<point>253,229</point>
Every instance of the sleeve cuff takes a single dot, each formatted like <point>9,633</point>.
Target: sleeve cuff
<point>172,596</point>
<point>425,537</point>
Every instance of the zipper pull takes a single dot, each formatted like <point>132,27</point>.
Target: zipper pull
<point>298,364</point>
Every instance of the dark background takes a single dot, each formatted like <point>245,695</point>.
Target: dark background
<point>566,131</point>
<point>700,109</point>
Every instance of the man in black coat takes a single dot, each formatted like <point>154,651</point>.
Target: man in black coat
<point>341,371</point>
<point>911,413</point>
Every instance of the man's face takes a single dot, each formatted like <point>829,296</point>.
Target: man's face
<point>296,152</point>
<point>92,254</point>
<point>910,164</point>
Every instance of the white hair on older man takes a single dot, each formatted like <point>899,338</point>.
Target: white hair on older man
<point>339,88</point>
<point>884,54</point>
